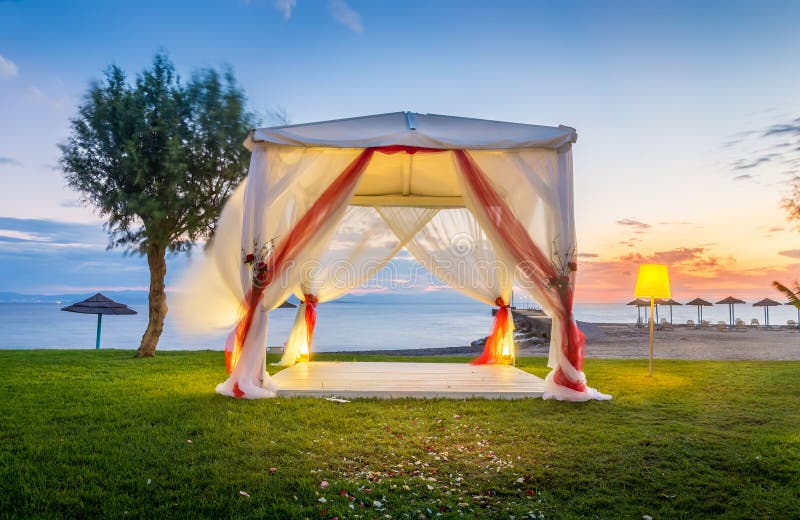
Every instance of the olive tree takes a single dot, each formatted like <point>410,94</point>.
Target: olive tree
<point>157,158</point>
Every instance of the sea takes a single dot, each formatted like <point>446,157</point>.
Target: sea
<point>348,324</point>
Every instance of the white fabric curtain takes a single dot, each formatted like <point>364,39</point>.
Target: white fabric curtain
<point>282,183</point>
<point>456,245</point>
<point>536,184</point>
<point>453,247</point>
<point>361,246</point>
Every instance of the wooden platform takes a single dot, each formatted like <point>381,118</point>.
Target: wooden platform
<point>397,380</point>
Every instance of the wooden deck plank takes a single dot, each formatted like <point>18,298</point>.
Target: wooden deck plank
<point>398,380</point>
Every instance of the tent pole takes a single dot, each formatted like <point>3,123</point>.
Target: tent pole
<point>99,326</point>
<point>652,304</point>
<point>730,315</point>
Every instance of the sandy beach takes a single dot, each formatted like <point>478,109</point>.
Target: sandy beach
<point>620,341</point>
<point>607,340</point>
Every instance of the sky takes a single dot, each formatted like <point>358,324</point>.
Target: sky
<point>688,116</point>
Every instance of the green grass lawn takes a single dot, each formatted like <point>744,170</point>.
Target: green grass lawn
<point>101,434</point>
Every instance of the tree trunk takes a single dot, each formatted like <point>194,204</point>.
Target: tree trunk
<point>156,260</point>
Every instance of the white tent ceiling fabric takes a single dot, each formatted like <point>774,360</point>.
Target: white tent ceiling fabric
<point>414,200</point>
<point>413,129</point>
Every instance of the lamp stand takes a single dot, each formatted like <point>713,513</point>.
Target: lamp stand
<point>652,304</point>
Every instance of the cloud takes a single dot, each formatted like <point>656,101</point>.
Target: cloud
<point>744,164</point>
<point>11,235</point>
<point>285,7</point>
<point>9,161</point>
<point>696,260</point>
<point>694,271</point>
<point>614,281</point>
<point>588,255</point>
<point>775,145</point>
<point>8,68</point>
<point>680,254</point>
<point>45,256</point>
<point>39,97</point>
<point>633,223</point>
<point>71,204</point>
<point>792,128</point>
<point>345,15</point>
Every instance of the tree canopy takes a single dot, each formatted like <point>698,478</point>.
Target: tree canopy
<point>158,158</point>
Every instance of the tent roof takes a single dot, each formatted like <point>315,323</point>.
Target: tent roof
<point>413,129</point>
<point>730,300</point>
<point>99,304</point>
<point>766,302</point>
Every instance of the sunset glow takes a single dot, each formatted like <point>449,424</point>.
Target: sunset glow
<point>689,131</point>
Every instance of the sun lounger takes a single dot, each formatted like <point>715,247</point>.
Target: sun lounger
<point>665,325</point>
<point>721,325</point>
<point>690,323</point>
<point>739,325</point>
<point>754,322</point>
<point>705,323</point>
<point>791,323</point>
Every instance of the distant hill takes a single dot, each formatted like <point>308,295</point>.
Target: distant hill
<point>120,296</point>
<point>399,296</point>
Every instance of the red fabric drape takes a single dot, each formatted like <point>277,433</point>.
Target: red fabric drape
<point>528,256</point>
<point>295,241</point>
<point>537,267</point>
<point>492,351</point>
<point>288,249</point>
<point>311,319</point>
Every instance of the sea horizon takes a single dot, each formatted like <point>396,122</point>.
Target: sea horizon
<point>356,322</point>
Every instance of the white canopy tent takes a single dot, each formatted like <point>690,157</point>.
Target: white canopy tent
<point>481,204</point>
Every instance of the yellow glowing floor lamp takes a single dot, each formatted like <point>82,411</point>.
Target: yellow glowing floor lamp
<point>652,282</point>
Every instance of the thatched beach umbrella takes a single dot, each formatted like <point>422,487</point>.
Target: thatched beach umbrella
<point>669,302</point>
<point>287,305</point>
<point>766,303</point>
<point>639,302</point>
<point>99,304</point>
<point>700,303</point>
<point>730,301</point>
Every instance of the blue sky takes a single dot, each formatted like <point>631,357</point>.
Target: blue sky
<point>673,103</point>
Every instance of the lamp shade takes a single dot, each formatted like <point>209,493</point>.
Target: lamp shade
<point>653,282</point>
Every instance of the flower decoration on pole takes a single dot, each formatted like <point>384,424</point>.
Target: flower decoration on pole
<point>259,261</point>
<point>652,282</point>
<point>565,267</point>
